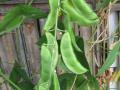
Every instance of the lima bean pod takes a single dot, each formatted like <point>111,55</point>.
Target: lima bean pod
<point>85,9</point>
<point>69,57</point>
<point>50,22</point>
<point>43,86</point>
<point>53,5</point>
<point>55,83</point>
<point>68,27</point>
<point>76,16</point>
<point>49,57</point>
<point>45,75</point>
<point>53,47</point>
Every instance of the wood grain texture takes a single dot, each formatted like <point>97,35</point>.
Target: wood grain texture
<point>7,52</point>
<point>30,37</point>
<point>20,45</point>
<point>116,7</point>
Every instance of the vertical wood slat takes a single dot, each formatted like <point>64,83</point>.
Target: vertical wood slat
<point>7,52</point>
<point>21,45</point>
<point>31,37</point>
<point>19,48</point>
<point>86,34</point>
<point>26,50</point>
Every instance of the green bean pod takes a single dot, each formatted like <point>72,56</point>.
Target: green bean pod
<point>85,9</point>
<point>69,57</point>
<point>43,86</point>
<point>55,83</point>
<point>53,5</point>
<point>76,16</point>
<point>49,58</point>
<point>45,75</point>
<point>50,22</point>
<point>53,47</point>
<point>68,27</point>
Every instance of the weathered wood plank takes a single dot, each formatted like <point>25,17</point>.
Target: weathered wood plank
<point>23,1</point>
<point>36,1</point>
<point>30,38</point>
<point>7,52</point>
<point>116,7</point>
<point>5,7</point>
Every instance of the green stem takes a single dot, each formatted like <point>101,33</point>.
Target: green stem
<point>73,83</point>
<point>7,79</point>
<point>30,2</point>
<point>57,15</point>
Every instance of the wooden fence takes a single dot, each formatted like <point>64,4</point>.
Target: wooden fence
<point>20,45</point>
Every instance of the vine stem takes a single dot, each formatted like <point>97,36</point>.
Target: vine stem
<point>30,2</point>
<point>57,15</point>
<point>7,79</point>
<point>56,27</point>
<point>73,82</point>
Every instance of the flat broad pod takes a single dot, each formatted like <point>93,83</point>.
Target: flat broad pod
<point>53,47</point>
<point>69,57</point>
<point>75,15</point>
<point>51,20</point>
<point>85,9</point>
<point>45,75</point>
<point>68,28</point>
<point>49,58</point>
<point>55,82</point>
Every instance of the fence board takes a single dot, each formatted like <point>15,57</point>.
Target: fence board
<point>20,45</point>
<point>7,52</point>
<point>31,36</point>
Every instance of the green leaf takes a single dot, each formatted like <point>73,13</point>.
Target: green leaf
<point>10,21</point>
<point>20,78</point>
<point>103,3</point>
<point>26,86</point>
<point>93,83</point>
<point>9,81</point>
<point>18,73</point>
<point>66,81</point>
<point>31,12</point>
<point>14,75</point>
<point>17,15</point>
<point>79,81</point>
<point>110,59</point>
<point>83,86</point>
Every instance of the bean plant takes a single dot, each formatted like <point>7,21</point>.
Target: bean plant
<point>66,54</point>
